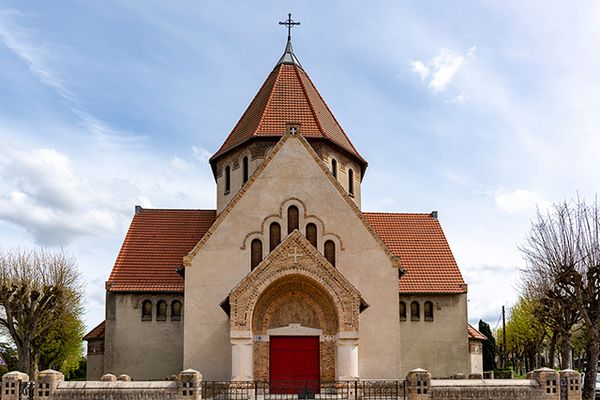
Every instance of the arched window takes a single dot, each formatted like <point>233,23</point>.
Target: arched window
<point>227,179</point>
<point>175,310</point>
<point>147,310</point>
<point>255,253</point>
<point>274,235</point>
<point>415,311</point>
<point>428,311</point>
<point>161,310</point>
<point>245,169</point>
<point>311,234</point>
<point>293,219</point>
<point>351,182</point>
<point>402,311</point>
<point>330,252</point>
<point>334,167</point>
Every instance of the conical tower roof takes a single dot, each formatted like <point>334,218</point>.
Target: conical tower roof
<point>288,96</point>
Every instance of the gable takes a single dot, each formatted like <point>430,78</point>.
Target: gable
<point>299,174</point>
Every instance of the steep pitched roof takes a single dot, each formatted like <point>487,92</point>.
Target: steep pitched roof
<point>420,243</point>
<point>287,96</point>
<point>96,333</point>
<point>154,247</point>
<point>474,333</point>
<point>158,240</point>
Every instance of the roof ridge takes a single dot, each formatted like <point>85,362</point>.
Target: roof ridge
<point>396,213</point>
<point>179,209</point>
<point>310,105</point>
<point>268,102</point>
<point>334,118</point>
<point>243,115</point>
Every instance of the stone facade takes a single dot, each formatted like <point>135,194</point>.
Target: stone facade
<point>130,345</point>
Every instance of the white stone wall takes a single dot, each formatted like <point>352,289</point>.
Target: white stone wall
<point>142,349</point>
<point>223,261</point>
<point>440,346</point>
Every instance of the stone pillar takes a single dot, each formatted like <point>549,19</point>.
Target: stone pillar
<point>549,382</point>
<point>46,384</point>
<point>189,385</point>
<point>241,356</point>
<point>418,385</point>
<point>347,356</point>
<point>11,381</point>
<point>570,383</point>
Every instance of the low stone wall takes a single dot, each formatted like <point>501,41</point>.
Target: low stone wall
<point>50,385</point>
<point>541,384</point>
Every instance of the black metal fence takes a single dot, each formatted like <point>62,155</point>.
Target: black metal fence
<point>298,390</point>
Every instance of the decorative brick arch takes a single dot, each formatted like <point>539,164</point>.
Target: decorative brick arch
<point>309,266</point>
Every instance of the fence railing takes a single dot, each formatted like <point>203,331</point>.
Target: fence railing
<point>304,389</point>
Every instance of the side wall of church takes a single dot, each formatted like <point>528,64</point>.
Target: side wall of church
<point>145,350</point>
<point>292,177</point>
<point>441,345</point>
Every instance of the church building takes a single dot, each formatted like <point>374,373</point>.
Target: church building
<point>287,279</point>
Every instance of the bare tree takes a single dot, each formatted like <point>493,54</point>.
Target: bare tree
<point>37,287</point>
<point>563,253</point>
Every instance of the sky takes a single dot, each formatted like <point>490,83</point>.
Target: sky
<point>482,110</point>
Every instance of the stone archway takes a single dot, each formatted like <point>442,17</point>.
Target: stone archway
<point>294,276</point>
<point>294,306</point>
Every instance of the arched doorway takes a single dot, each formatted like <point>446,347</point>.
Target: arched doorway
<point>294,323</point>
<point>295,292</point>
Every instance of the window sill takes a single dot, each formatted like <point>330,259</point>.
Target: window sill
<point>351,194</point>
<point>146,318</point>
<point>161,318</point>
<point>226,192</point>
<point>402,319</point>
<point>415,319</point>
<point>428,319</point>
<point>175,318</point>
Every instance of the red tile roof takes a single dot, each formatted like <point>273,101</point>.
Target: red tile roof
<point>96,333</point>
<point>154,247</point>
<point>424,252</point>
<point>474,333</point>
<point>287,96</point>
<point>158,240</point>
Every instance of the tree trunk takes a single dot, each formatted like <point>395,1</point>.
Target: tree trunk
<point>25,363</point>
<point>552,350</point>
<point>565,350</point>
<point>591,349</point>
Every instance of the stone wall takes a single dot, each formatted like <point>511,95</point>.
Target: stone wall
<point>541,384</point>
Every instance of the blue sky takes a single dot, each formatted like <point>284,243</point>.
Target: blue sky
<point>481,110</point>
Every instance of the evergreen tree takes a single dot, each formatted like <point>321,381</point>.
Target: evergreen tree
<point>489,347</point>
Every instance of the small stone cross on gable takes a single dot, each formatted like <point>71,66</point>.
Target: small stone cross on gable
<point>295,254</point>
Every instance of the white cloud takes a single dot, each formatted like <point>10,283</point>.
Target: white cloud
<point>441,69</point>
<point>459,99</point>
<point>520,201</point>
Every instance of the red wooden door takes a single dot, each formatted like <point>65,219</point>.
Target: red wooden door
<point>294,364</point>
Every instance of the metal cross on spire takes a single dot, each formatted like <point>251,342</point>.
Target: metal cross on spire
<point>290,24</point>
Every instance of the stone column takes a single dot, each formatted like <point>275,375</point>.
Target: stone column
<point>11,389</point>
<point>570,382</point>
<point>549,382</point>
<point>241,356</point>
<point>189,384</point>
<point>347,356</point>
<point>418,385</point>
<point>46,384</point>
